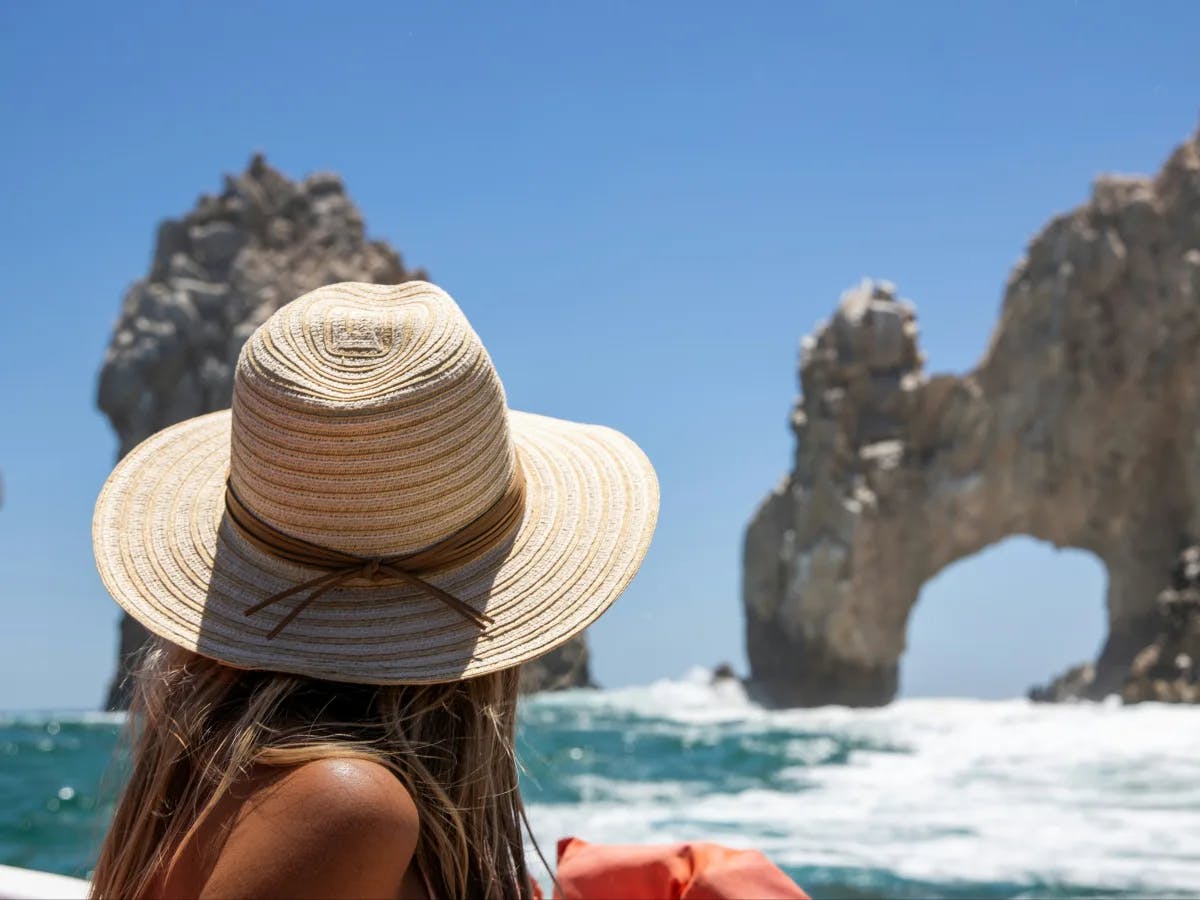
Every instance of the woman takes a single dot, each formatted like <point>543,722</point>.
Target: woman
<point>342,574</point>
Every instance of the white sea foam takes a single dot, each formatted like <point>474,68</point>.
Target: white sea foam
<point>934,790</point>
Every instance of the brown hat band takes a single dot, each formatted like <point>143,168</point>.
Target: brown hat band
<point>482,534</point>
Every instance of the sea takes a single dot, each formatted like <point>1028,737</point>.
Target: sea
<point>925,798</point>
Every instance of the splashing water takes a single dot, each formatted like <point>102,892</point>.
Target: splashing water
<point>924,798</point>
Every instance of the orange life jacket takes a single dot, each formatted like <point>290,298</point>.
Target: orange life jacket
<point>691,871</point>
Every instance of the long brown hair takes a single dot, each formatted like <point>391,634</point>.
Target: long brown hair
<point>197,726</point>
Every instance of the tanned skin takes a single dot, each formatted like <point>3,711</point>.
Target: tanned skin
<point>333,828</point>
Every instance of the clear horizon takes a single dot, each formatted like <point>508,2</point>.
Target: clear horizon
<point>641,210</point>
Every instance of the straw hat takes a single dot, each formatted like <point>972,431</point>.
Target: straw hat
<point>370,510</point>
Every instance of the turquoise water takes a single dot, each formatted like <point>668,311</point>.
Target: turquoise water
<point>52,778</point>
<point>927,798</point>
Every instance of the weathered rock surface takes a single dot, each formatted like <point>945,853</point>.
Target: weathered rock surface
<point>567,667</point>
<point>1080,426</point>
<point>1168,670</point>
<point>1164,671</point>
<point>216,275</point>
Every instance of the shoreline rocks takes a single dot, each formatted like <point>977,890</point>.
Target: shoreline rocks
<point>1077,683</point>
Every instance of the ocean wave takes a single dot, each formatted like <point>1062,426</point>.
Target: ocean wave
<point>1009,797</point>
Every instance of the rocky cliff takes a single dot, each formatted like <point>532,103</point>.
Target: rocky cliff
<point>1080,426</point>
<point>216,274</point>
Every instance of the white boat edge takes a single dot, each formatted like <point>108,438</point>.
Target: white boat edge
<point>26,884</point>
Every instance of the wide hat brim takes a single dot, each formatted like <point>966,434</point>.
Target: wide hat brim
<point>170,558</point>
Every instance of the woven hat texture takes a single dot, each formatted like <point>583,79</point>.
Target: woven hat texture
<point>369,419</point>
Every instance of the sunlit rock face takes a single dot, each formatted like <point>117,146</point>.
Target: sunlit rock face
<point>1079,426</point>
<point>217,273</point>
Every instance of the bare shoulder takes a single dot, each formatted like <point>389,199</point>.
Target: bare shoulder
<point>348,791</point>
<point>332,828</point>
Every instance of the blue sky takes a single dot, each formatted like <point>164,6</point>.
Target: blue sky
<point>641,207</point>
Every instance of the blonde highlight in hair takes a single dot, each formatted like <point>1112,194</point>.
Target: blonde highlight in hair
<point>198,726</point>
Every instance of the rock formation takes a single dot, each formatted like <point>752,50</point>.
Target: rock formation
<point>1167,670</point>
<point>216,275</point>
<point>1077,683</point>
<point>567,667</point>
<point>1080,426</point>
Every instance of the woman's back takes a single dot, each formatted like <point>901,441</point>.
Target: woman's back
<point>334,827</point>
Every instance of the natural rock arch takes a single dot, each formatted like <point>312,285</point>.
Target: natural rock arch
<point>1080,426</point>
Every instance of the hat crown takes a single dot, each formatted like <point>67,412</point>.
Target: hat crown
<point>369,419</point>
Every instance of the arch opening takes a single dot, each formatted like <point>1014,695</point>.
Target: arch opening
<point>996,622</point>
